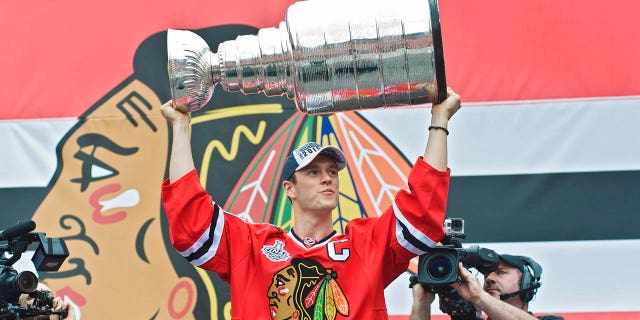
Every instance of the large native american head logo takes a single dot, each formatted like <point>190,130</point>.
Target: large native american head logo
<point>305,290</point>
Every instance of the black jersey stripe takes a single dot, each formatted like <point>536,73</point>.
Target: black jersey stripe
<point>206,246</point>
<point>406,234</point>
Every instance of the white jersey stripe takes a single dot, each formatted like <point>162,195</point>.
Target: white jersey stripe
<point>206,235</point>
<point>417,234</point>
<point>217,234</point>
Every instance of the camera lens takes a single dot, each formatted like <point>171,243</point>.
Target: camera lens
<point>26,281</point>
<point>12,283</point>
<point>439,267</point>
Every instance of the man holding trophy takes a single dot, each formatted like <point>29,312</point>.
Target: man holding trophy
<point>311,271</point>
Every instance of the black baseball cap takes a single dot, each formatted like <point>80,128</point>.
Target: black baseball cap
<point>302,156</point>
<point>522,263</point>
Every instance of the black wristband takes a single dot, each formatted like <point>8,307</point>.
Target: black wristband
<point>438,127</point>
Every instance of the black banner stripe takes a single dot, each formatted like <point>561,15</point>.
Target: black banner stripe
<point>548,207</point>
<point>19,204</point>
<point>508,208</point>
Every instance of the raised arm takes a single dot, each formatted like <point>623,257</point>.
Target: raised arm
<point>435,153</point>
<point>181,161</point>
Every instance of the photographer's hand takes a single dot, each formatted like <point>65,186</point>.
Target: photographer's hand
<point>422,299</point>
<point>56,304</point>
<point>59,304</point>
<point>470,288</point>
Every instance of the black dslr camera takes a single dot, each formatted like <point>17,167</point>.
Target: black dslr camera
<point>49,255</point>
<point>438,268</point>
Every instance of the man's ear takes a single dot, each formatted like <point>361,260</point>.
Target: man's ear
<point>288,189</point>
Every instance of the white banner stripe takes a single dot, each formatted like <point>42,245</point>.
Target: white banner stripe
<point>29,150</point>
<point>513,137</point>
<point>570,270</point>
<point>546,136</point>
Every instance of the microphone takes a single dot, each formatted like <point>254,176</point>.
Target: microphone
<point>513,294</point>
<point>17,230</point>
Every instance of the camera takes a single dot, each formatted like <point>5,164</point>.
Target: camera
<point>454,227</point>
<point>438,268</point>
<point>49,255</point>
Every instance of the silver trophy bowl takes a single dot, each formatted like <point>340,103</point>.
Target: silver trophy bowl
<point>327,56</point>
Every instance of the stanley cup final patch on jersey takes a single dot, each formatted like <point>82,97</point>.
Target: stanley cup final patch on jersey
<point>276,252</point>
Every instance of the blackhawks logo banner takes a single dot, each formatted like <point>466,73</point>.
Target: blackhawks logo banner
<point>545,154</point>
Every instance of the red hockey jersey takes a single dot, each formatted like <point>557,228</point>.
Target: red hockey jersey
<point>274,275</point>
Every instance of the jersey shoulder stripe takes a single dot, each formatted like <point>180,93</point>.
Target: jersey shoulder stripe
<point>207,245</point>
<point>410,237</point>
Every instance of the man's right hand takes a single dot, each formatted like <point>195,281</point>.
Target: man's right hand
<point>174,114</point>
<point>181,160</point>
<point>470,288</point>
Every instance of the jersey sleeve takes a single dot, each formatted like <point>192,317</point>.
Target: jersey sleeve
<point>199,229</point>
<point>412,225</point>
<point>420,210</point>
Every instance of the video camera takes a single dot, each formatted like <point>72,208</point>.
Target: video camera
<point>438,268</point>
<point>49,255</point>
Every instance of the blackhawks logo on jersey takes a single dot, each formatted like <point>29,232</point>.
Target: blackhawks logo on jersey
<point>306,290</point>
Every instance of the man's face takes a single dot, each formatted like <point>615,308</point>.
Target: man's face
<point>506,279</point>
<point>316,187</point>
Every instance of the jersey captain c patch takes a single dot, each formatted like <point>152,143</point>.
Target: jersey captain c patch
<point>276,252</point>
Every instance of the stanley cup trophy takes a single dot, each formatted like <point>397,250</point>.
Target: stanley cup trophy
<point>327,56</point>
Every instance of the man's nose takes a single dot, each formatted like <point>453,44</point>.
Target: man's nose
<point>490,278</point>
<point>325,177</point>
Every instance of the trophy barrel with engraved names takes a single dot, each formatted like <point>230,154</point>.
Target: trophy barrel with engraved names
<point>327,56</point>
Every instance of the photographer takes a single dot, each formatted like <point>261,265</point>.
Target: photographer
<point>21,295</point>
<point>56,303</point>
<point>506,293</point>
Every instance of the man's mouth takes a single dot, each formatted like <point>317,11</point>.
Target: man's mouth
<point>489,290</point>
